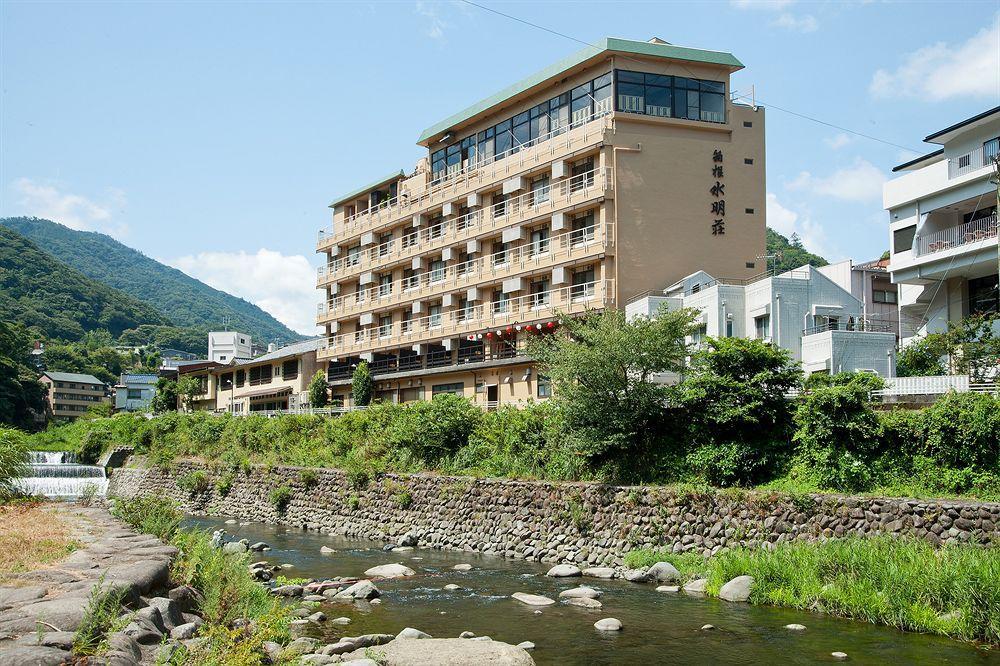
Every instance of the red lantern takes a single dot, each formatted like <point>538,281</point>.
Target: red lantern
<point>510,329</point>
<point>551,324</point>
<point>489,334</point>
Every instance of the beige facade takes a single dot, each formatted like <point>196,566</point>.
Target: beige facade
<point>70,395</point>
<point>278,380</point>
<point>615,172</point>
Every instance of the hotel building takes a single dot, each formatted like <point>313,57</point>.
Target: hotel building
<point>622,168</point>
<point>943,228</point>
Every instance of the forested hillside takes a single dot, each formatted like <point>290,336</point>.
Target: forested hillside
<point>179,298</point>
<point>39,291</point>
<point>792,254</point>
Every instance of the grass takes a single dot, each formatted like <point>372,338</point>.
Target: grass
<point>149,515</point>
<point>903,583</point>
<point>32,536</point>
<point>101,617</point>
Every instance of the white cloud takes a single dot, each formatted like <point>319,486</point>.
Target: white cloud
<point>804,23</point>
<point>942,71</point>
<point>767,5</point>
<point>862,181</point>
<point>283,285</point>
<point>48,200</point>
<point>787,222</point>
<point>838,141</point>
<point>435,23</point>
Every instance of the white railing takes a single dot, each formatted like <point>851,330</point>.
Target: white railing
<point>946,239</point>
<point>578,297</point>
<point>935,385</point>
<point>499,264</point>
<point>512,161</point>
<point>561,193</point>
<point>975,160</point>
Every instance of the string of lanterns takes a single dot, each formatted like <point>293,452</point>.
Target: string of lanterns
<point>513,330</point>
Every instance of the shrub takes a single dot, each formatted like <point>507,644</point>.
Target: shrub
<point>195,482</point>
<point>280,497</point>
<point>149,515</point>
<point>319,396</point>
<point>309,477</point>
<point>225,483</point>
<point>353,502</point>
<point>362,385</point>
<point>963,429</point>
<point>403,499</point>
<point>104,607</point>
<point>13,461</point>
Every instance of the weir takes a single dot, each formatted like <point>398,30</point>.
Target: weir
<point>57,474</point>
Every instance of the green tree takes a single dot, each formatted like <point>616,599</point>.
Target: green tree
<point>13,460</point>
<point>188,388</point>
<point>21,394</point>
<point>362,385</point>
<point>318,394</point>
<point>602,367</point>
<point>922,357</point>
<point>165,398</point>
<point>975,346</point>
<point>790,253</point>
<point>739,420</point>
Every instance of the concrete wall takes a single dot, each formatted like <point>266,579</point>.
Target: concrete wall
<point>584,523</point>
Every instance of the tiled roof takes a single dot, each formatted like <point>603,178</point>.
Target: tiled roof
<point>72,377</point>
<point>289,350</point>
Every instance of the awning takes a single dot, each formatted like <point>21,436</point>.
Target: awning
<point>267,393</point>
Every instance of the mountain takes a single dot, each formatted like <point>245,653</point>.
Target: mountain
<point>178,297</point>
<point>791,253</point>
<point>38,290</point>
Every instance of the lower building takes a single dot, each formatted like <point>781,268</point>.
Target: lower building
<point>820,323</point>
<point>134,392</point>
<point>870,283</point>
<point>71,394</point>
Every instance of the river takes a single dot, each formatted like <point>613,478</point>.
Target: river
<point>659,628</point>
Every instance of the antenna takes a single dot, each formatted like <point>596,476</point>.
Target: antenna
<point>768,258</point>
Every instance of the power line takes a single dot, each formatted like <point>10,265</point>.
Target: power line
<point>764,103</point>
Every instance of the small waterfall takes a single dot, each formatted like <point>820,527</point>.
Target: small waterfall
<point>57,474</point>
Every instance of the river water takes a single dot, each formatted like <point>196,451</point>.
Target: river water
<point>58,475</point>
<point>658,628</point>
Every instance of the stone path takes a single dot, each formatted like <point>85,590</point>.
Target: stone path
<point>40,610</point>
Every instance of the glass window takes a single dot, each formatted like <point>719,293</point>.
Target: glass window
<point>290,369</point>
<point>434,315</point>
<point>984,298</point>
<point>762,326</point>
<point>583,283</point>
<point>455,388</point>
<point>540,190</point>
<point>902,239</point>
<point>539,241</point>
<point>713,107</point>
<point>501,301</point>
<point>241,377</point>
<point>500,204</point>
<point>583,229</point>
<point>671,96</point>
<point>385,284</point>
<point>658,101</point>
<point>631,98</point>
<point>540,293</point>
<point>385,326</point>
<point>499,253</point>
<point>503,138</point>
<point>437,270</point>
<point>544,387</point>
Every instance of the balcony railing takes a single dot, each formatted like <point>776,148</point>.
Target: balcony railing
<point>477,173</point>
<point>855,326</point>
<point>569,299</point>
<point>562,193</point>
<point>531,255</point>
<point>946,239</point>
<point>975,160</point>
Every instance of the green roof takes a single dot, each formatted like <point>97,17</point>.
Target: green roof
<point>607,44</point>
<point>72,377</point>
<point>371,186</point>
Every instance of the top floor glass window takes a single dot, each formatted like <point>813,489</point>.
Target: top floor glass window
<point>670,96</point>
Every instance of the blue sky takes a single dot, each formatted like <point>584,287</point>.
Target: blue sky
<point>212,136</point>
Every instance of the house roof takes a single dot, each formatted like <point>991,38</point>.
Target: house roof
<point>138,379</point>
<point>918,160</point>
<point>354,194</point>
<point>608,45</point>
<point>295,349</point>
<point>947,133</point>
<point>72,377</point>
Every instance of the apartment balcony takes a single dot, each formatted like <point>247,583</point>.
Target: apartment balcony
<point>972,235</point>
<point>569,300</point>
<point>565,194</point>
<point>558,144</point>
<point>569,247</point>
<point>955,250</point>
<point>980,159</point>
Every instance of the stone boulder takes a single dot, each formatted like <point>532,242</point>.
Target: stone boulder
<point>447,652</point>
<point>410,632</point>
<point>363,589</point>
<point>564,571</point>
<point>390,571</point>
<point>608,624</point>
<point>664,572</point>
<point>584,602</point>
<point>637,575</point>
<point>532,599</point>
<point>696,586</point>
<point>599,572</point>
<point>738,589</point>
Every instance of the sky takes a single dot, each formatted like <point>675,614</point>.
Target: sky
<point>213,135</point>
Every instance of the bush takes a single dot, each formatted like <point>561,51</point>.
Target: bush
<point>195,482</point>
<point>104,607</point>
<point>309,478</point>
<point>225,483</point>
<point>280,497</point>
<point>362,385</point>
<point>963,429</point>
<point>13,461</point>
<point>149,515</point>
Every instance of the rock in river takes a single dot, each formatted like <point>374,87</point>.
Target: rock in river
<point>390,571</point>
<point>584,602</point>
<point>581,592</point>
<point>608,624</point>
<point>563,571</point>
<point>410,632</point>
<point>363,589</point>
<point>532,599</point>
<point>664,572</point>
<point>738,589</point>
<point>462,567</point>
<point>599,572</point>
<point>696,586</point>
<point>448,652</point>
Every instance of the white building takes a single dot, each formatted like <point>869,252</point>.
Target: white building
<point>943,228</point>
<point>225,346</point>
<point>869,282</point>
<point>803,311</point>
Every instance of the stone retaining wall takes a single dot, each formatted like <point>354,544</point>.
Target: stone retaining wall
<point>582,523</point>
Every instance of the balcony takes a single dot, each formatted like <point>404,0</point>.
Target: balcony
<point>572,299</point>
<point>586,132</point>
<point>975,234</point>
<point>567,247</point>
<point>981,158</point>
<point>564,194</point>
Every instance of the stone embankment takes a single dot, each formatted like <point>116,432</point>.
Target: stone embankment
<point>585,524</point>
<point>40,610</point>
